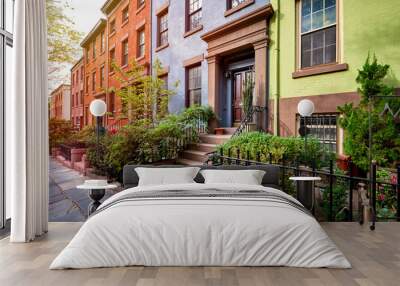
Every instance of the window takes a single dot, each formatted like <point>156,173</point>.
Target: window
<point>193,14</point>
<point>111,102</point>
<point>6,65</point>
<point>103,42</point>
<point>73,79</point>
<point>81,99</point>
<point>102,76</point>
<point>125,50</point>
<point>141,44</point>
<point>234,3</point>
<point>125,14</point>
<point>94,81</point>
<point>94,49</point>
<point>322,127</point>
<point>77,77</point>
<point>87,84</point>
<point>317,32</point>
<point>87,54</point>
<point>112,60</point>
<point>81,73</point>
<point>163,29</point>
<point>194,86</point>
<point>140,3</point>
<point>112,26</point>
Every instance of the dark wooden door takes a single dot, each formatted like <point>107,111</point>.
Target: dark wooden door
<point>237,97</point>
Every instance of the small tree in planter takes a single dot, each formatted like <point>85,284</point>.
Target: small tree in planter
<point>143,96</point>
<point>385,128</point>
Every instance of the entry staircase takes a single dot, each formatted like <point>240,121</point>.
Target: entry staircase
<point>197,153</point>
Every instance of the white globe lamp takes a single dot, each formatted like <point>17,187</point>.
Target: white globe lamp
<point>98,108</point>
<point>306,107</point>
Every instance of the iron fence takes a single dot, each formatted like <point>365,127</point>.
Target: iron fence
<point>340,192</point>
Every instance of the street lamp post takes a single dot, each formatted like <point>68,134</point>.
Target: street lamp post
<point>98,108</point>
<point>305,108</point>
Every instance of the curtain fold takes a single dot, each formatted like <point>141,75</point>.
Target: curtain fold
<point>27,124</point>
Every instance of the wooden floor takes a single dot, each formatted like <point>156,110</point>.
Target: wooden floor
<point>375,257</point>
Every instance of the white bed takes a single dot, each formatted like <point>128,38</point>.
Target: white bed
<point>200,231</point>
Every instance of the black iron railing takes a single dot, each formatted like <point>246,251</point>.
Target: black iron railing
<point>66,151</point>
<point>338,189</point>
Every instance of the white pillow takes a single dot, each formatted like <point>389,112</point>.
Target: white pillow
<point>247,177</point>
<point>166,176</point>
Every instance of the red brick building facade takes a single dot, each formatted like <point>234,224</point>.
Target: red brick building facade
<point>128,26</point>
<point>95,65</point>
<point>60,102</point>
<point>122,38</point>
<point>77,94</point>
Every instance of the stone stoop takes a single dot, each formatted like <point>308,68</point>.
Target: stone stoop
<point>197,153</point>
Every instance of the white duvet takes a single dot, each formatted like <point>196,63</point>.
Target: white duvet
<point>200,232</point>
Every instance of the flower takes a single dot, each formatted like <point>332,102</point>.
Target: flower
<point>381,197</point>
<point>393,179</point>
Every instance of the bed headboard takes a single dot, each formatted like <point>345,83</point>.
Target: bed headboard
<point>271,177</point>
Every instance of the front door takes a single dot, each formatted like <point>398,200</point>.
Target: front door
<point>237,94</point>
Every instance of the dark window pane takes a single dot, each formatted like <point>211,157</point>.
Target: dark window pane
<point>318,57</point>
<point>330,54</point>
<point>330,36</point>
<point>317,40</point>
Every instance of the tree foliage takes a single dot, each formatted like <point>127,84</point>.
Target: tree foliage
<point>143,96</point>
<point>385,127</point>
<point>63,39</point>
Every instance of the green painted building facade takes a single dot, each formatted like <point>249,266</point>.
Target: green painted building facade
<point>360,26</point>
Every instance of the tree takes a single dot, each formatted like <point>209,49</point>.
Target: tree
<point>63,39</point>
<point>144,97</point>
<point>385,127</point>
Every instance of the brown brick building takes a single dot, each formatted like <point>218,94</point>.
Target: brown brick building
<point>60,102</point>
<point>95,66</point>
<point>77,93</point>
<point>129,28</point>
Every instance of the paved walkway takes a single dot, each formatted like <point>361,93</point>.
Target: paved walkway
<point>66,202</point>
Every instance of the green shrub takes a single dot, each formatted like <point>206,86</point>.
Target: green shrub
<point>275,148</point>
<point>385,128</point>
<point>144,142</point>
<point>59,132</point>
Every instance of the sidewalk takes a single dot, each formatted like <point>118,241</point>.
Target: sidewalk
<point>66,202</point>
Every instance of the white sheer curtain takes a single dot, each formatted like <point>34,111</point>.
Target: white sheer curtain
<point>27,124</point>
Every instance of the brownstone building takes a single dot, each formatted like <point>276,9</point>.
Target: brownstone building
<point>95,66</point>
<point>60,103</point>
<point>77,94</point>
<point>129,38</point>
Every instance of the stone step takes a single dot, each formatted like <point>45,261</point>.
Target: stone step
<point>204,147</point>
<point>214,139</point>
<point>230,130</point>
<point>187,162</point>
<point>194,155</point>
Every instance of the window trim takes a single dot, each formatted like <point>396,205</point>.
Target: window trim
<point>123,63</point>
<point>102,75</point>
<point>336,66</point>
<point>188,30</point>
<point>113,24</point>
<point>139,45</point>
<point>94,81</point>
<point>124,21</point>
<point>187,90</point>
<point>111,60</point>
<point>160,15</point>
